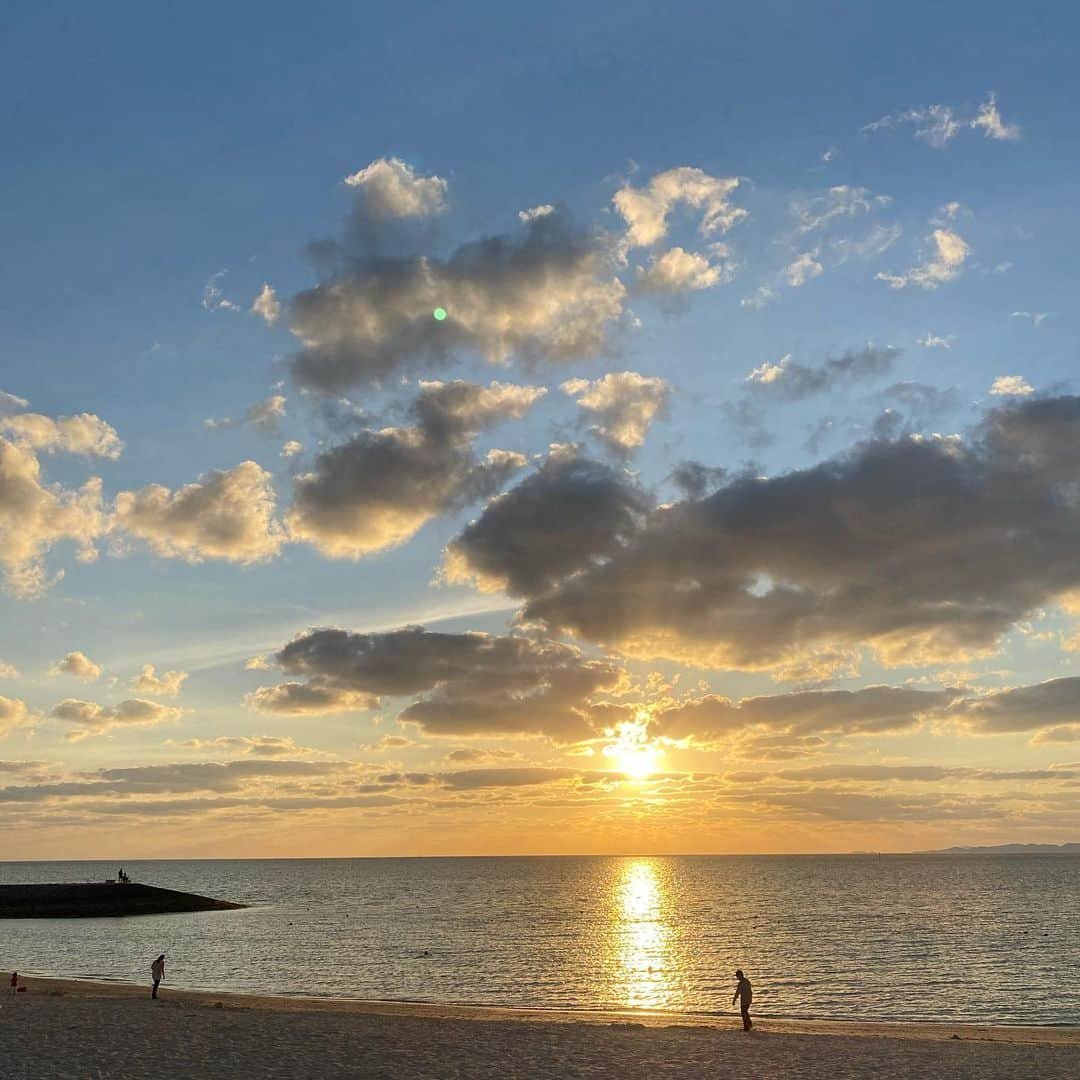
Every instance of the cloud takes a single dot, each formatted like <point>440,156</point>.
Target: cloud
<point>790,380</point>
<point>264,416</point>
<point>678,271</point>
<point>760,298</point>
<point>938,125</point>
<point>932,341</point>
<point>79,665</point>
<point>257,746</point>
<point>624,405</point>
<point>547,293</point>
<point>535,212</point>
<point>313,698</point>
<point>291,448</point>
<point>213,299</point>
<point>943,261</point>
<point>1011,386</point>
<point>472,754</point>
<point>8,671</point>
<point>918,548</point>
<point>816,212</point>
<point>1022,709</point>
<point>1037,317</point>
<point>35,516</point>
<point>873,710</point>
<point>167,684</point>
<point>645,210</point>
<point>13,714</point>
<point>89,718</point>
<point>267,305</point>
<point>572,511</point>
<point>470,684</point>
<point>390,188</point>
<point>803,268</point>
<point>82,434</point>
<point>224,515</point>
<point>382,486</point>
<point>10,403</point>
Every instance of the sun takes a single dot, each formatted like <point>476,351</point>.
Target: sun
<point>633,752</point>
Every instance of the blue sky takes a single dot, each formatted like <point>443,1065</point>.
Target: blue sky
<point>903,195</point>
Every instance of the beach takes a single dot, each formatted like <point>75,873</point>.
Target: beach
<point>78,1030</point>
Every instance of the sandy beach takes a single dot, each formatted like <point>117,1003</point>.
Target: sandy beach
<point>76,1030</point>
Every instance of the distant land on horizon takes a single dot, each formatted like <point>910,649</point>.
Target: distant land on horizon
<point>1009,849</point>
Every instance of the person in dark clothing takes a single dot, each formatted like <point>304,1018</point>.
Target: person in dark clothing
<point>744,994</point>
<point>157,973</point>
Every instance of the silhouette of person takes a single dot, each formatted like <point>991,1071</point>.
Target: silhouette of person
<point>157,973</point>
<point>744,994</point>
<point>14,982</point>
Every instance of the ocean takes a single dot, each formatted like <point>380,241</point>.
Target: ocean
<point>988,939</point>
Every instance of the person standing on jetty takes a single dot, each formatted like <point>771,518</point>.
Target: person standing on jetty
<point>744,994</point>
<point>157,973</point>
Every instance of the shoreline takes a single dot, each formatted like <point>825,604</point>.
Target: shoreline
<point>40,986</point>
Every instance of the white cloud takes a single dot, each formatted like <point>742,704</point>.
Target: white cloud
<point>645,210</point>
<point>769,373</point>
<point>802,269</point>
<point>79,665</point>
<point>8,671</point>
<point>817,211</point>
<point>224,515</point>
<point>763,295</point>
<point>167,684</point>
<point>678,270</point>
<point>291,448</point>
<point>13,714</point>
<point>624,405</point>
<point>943,261</point>
<point>536,212</point>
<point>10,403</point>
<point>391,189</point>
<point>264,416</point>
<point>81,434</point>
<point>932,341</point>
<point>938,125</point>
<point>213,299</point>
<point>35,516</point>
<point>266,305</point>
<point>1037,318</point>
<point>88,718</point>
<point>1011,386</point>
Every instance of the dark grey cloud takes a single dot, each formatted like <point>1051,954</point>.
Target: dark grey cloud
<point>548,292</point>
<point>791,380</point>
<point>906,773</point>
<point>920,548</point>
<point>471,683</point>
<point>569,513</point>
<point>1022,709</point>
<point>381,486</point>
<point>871,710</point>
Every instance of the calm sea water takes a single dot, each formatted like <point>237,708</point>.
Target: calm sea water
<point>994,939</point>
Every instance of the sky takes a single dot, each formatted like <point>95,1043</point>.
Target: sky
<point>490,430</point>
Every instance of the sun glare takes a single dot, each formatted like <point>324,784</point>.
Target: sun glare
<point>632,751</point>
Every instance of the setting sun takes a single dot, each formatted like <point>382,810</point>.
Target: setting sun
<point>633,751</point>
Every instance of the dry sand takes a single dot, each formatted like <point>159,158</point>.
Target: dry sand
<point>93,1031</point>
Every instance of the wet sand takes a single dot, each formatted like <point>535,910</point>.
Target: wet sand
<point>75,1030</point>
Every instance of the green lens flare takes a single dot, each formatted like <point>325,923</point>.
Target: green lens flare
<point>439,313</point>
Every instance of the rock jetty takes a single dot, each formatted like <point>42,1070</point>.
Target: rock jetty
<point>85,900</point>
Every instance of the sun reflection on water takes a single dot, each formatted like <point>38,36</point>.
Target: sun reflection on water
<point>642,936</point>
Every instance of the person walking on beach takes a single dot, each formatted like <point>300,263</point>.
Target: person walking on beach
<point>14,982</point>
<point>744,994</point>
<point>157,973</point>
